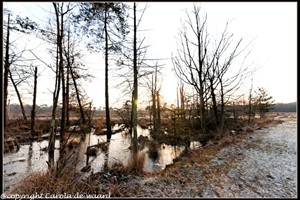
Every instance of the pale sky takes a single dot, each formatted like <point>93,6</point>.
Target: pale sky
<point>272,26</point>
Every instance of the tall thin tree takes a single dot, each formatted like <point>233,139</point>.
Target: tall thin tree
<point>19,96</point>
<point>107,110</point>
<point>114,13</point>
<point>135,83</point>
<point>6,70</point>
<point>32,127</point>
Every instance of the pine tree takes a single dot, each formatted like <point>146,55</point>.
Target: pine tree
<point>264,102</point>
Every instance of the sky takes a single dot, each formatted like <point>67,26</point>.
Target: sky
<point>271,27</point>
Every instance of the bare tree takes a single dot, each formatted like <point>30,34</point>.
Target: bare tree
<point>135,82</point>
<point>250,104</point>
<point>32,127</point>
<point>67,55</point>
<point>6,70</point>
<point>70,56</point>
<point>224,82</point>
<point>153,85</point>
<point>12,59</point>
<point>208,67</point>
<point>19,96</point>
<point>60,32</point>
<point>158,123</point>
<point>60,78</point>
<point>190,68</point>
<point>133,57</point>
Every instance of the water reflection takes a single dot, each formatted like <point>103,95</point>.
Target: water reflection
<point>166,154</point>
<point>33,157</point>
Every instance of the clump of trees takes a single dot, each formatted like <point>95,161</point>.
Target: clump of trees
<point>210,71</point>
<point>209,68</point>
<point>259,103</point>
<point>17,69</point>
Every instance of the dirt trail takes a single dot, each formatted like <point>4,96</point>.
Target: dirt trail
<point>259,164</point>
<point>263,166</point>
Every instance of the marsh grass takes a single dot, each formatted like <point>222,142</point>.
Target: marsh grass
<point>69,182</point>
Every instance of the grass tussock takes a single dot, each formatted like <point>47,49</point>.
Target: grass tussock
<point>69,182</point>
<point>136,164</point>
<point>265,120</point>
<point>99,123</point>
<point>72,183</point>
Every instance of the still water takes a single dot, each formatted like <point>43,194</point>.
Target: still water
<point>31,158</point>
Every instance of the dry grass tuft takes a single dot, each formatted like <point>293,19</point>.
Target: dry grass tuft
<point>136,164</point>
<point>99,123</point>
<point>265,120</point>
<point>68,182</point>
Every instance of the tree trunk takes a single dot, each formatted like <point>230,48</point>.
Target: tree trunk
<point>68,82</point>
<point>158,111</point>
<point>51,144</point>
<point>214,101</point>
<point>32,127</point>
<point>177,101</point>
<point>131,116</point>
<point>201,84</point>
<point>154,111</point>
<point>222,115</point>
<point>70,71</point>
<point>63,87</point>
<point>250,103</point>
<point>19,96</point>
<point>150,113</point>
<point>77,96</point>
<point>67,98</point>
<point>90,117</point>
<point>182,105</point>
<point>135,84</point>
<point>59,27</point>
<point>202,111</point>
<point>6,70</point>
<point>108,125</point>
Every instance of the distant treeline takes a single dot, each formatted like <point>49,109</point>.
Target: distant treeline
<point>285,107</point>
<point>45,110</point>
<point>14,109</point>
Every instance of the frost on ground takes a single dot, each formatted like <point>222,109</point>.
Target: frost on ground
<point>266,167</point>
<point>259,164</point>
